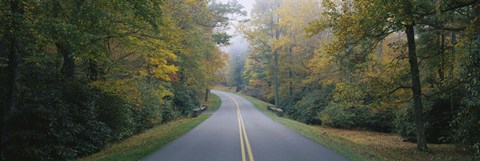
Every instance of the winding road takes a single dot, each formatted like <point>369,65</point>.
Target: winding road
<point>239,132</point>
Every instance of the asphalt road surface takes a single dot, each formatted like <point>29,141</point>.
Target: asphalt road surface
<point>239,132</point>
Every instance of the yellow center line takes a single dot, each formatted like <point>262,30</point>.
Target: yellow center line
<point>243,133</point>
<point>250,155</point>
<point>241,137</point>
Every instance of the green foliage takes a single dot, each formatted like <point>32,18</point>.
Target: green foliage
<point>361,117</point>
<point>304,106</point>
<point>185,100</point>
<point>152,106</point>
<point>338,117</point>
<point>466,126</point>
<point>404,124</point>
<point>438,121</point>
<point>477,150</point>
<point>222,38</point>
<point>56,121</point>
<point>117,114</point>
<point>95,72</point>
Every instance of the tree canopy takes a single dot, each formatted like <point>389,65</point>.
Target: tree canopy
<point>396,66</point>
<point>78,74</point>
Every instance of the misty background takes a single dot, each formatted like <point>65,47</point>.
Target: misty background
<point>238,48</point>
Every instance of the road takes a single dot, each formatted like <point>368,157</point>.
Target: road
<point>239,132</point>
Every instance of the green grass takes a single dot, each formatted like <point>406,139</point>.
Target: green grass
<point>334,143</point>
<point>144,144</point>
<point>213,102</point>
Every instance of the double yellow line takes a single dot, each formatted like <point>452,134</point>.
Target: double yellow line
<point>243,133</point>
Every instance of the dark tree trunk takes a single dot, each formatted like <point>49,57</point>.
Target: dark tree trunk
<point>92,70</point>
<point>290,73</point>
<point>275,71</point>
<point>441,69</point>
<point>275,78</point>
<point>452,65</point>
<point>416,87</point>
<point>14,58</point>
<point>207,91</point>
<point>68,62</point>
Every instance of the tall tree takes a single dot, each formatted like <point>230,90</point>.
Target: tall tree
<point>373,21</point>
<point>263,30</point>
<point>14,41</point>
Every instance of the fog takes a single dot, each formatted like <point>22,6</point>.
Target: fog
<point>239,45</point>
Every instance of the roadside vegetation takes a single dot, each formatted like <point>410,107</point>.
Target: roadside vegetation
<point>399,67</point>
<point>76,75</point>
<point>151,140</point>
<point>213,103</point>
<point>362,145</point>
<point>147,142</point>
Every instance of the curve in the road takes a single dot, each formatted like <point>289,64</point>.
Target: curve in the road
<point>239,132</point>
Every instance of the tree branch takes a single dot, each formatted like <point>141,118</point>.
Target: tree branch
<point>451,8</point>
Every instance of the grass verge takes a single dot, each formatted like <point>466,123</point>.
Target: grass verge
<point>308,131</point>
<point>213,103</point>
<point>360,145</point>
<point>144,144</point>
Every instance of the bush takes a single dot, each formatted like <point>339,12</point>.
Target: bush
<point>337,117</point>
<point>148,113</point>
<point>357,117</point>
<point>466,126</point>
<point>404,124</point>
<point>476,147</point>
<point>117,114</point>
<point>184,100</point>
<point>438,116</point>
<point>257,92</point>
<point>169,113</point>
<point>304,106</point>
<point>55,122</point>
<point>59,119</point>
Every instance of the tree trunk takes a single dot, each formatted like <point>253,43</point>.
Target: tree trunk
<point>416,88</point>
<point>207,91</point>
<point>275,77</point>
<point>441,70</point>
<point>14,58</point>
<point>92,70</point>
<point>68,62</point>
<point>290,73</point>
<point>275,69</point>
<point>450,72</point>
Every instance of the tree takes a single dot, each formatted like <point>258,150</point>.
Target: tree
<point>369,22</point>
<point>14,35</point>
<point>263,31</point>
<point>100,70</point>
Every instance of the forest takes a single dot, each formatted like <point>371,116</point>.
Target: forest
<point>78,74</point>
<point>409,67</point>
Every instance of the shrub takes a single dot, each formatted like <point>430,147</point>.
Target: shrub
<point>437,118</point>
<point>55,122</point>
<point>361,117</point>
<point>305,105</point>
<point>466,126</point>
<point>117,114</point>
<point>184,100</point>
<point>337,117</point>
<point>476,147</point>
